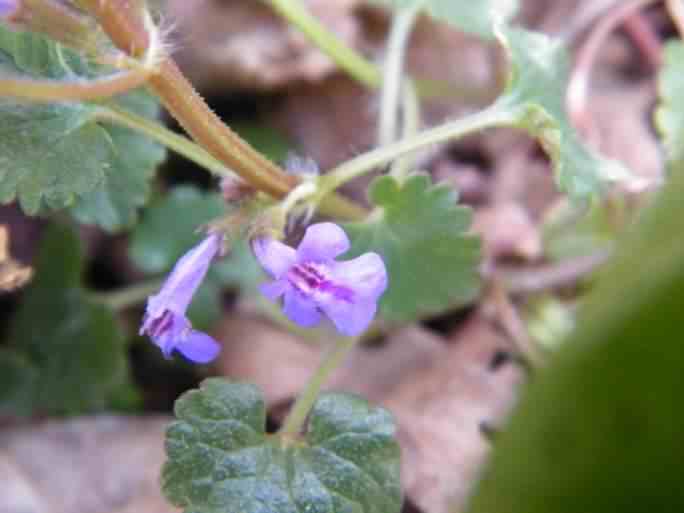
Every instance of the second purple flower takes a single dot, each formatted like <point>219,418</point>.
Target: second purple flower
<point>312,283</point>
<point>165,320</point>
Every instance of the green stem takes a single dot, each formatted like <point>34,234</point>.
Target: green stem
<point>51,91</point>
<point>294,423</point>
<point>412,121</point>
<point>393,72</point>
<point>181,145</point>
<point>334,205</point>
<point>128,296</point>
<point>346,58</point>
<point>498,114</point>
<point>358,67</point>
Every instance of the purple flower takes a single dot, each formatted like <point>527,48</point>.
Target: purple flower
<point>8,7</point>
<point>312,282</point>
<point>165,321</point>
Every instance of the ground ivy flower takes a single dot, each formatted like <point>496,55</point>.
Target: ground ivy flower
<point>8,7</point>
<point>313,283</point>
<point>165,321</point>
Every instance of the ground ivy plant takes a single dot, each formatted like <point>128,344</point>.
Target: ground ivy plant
<point>81,86</point>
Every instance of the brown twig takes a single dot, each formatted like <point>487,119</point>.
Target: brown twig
<point>513,325</point>
<point>576,96</point>
<point>551,276</point>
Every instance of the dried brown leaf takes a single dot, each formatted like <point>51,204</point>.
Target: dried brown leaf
<point>244,44</point>
<point>100,464</point>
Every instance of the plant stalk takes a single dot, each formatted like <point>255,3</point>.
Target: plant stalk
<point>294,423</point>
<point>393,73</point>
<point>493,116</point>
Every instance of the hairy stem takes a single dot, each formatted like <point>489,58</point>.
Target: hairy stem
<point>39,91</point>
<point>393,72</point>
<point>294,423</point>
<point>130,31</point>
<point>495,115</point>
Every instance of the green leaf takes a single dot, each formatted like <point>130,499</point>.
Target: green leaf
<point>65,353</point>
<point>478,17</point>
<point>171,225</point>
<point>669,115</point>
<point>420,232</point>
<point>220,460</point>
<point>58,155</point>
<point>539,69</point>
<point>36,55</point>
<point>266,140</point>
<point>600,429</point>
<point>114,203</point>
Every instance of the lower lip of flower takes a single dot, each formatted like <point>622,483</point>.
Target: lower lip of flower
<point>160,324</point>
<point>312,279</point>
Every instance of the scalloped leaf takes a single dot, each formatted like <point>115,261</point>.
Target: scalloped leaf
<point>114,204</point>
<point>539,68</point>
<point>669,115</point>
<point>220,459</point>
<point>66,354</point>
<point>477,18</point>
<point>420,232</point>
<point>58,155</point>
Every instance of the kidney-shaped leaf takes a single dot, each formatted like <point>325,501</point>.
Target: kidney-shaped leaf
<point>220,459</point>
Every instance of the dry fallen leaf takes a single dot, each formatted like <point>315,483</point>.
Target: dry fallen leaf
<point>12,273</point>
<point>100,464</point>
<point>507,231</point>
<point>440,411</point>
<point>245,44</point>
<point>280,363</point>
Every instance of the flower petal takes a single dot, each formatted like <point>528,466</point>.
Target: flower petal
<point>300,310</point>
<point>274,289</point>
<point>8,7</point>
<point>322,242</point>
<point>366,275</point>
<point>166,330</point>
<point>198,347</point>
<point>274,256</point>
<point>186,276</point>
<point>351,318</point>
